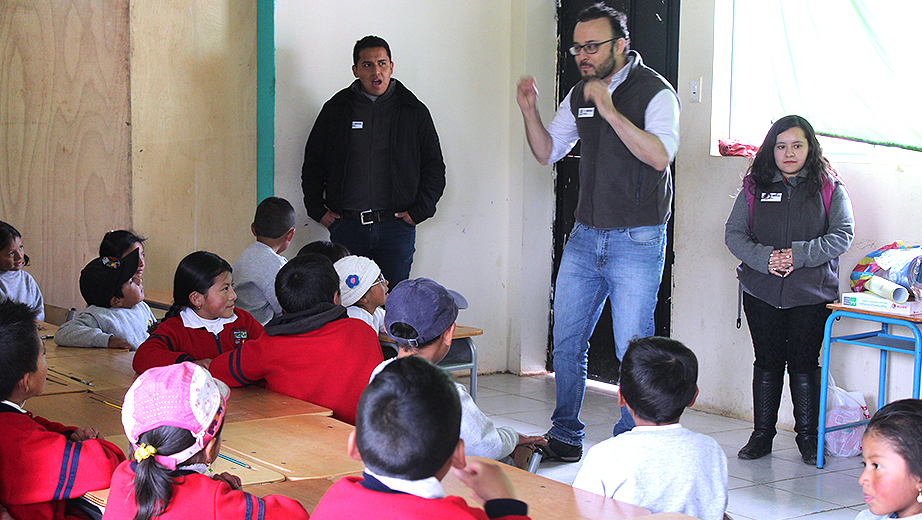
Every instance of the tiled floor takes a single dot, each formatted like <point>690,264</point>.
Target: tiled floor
<point>775,487</point>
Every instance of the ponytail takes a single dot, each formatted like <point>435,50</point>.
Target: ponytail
<point>153,483</point>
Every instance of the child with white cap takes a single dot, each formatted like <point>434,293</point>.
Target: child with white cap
<point>363,290</point>
<point>173,417</point>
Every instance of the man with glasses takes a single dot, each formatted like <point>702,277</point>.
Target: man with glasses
<point>373,166</point>
<point>626,117</point>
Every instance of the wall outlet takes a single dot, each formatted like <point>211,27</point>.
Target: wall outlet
<point>694,90</point>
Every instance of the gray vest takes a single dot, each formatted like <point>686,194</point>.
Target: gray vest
<point>616,189</point>
<point>798,216</point>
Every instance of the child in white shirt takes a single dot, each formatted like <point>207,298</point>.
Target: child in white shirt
<point>363,290</point>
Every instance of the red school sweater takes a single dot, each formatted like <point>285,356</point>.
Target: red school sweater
<point>349,500</point>
<point>40,467</point>
<point>202,498</point>
<point>329,366</point>
<point>172,342</point>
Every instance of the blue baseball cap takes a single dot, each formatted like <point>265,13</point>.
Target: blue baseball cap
<point>425,306</point>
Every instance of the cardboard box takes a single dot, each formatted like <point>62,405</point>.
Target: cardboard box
<point>871,302</point>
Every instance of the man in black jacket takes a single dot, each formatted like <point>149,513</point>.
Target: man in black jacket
<point>373,166</point>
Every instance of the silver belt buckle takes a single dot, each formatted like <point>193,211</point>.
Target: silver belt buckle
<point>362,217</point>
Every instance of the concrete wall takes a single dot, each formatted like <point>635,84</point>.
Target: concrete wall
<point>490,238</point>
<point>705,296</point>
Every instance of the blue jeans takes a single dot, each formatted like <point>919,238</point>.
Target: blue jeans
<point>390,244</point>
<point>624,265</point>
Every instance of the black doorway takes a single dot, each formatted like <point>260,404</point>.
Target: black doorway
<point>654,30</point>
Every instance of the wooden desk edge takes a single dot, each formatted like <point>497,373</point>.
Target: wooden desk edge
<point>913,318</point>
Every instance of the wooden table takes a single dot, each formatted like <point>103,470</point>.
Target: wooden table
<point>83,409</point>
<point>547,499</point>
<point>104,368</point>
<point>158,299</point>
<point>298,446</point>
<point>246,403</point>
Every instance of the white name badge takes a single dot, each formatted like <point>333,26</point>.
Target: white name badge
<point>771,197</point>
<point>586,112</point>
<point>357,125</point>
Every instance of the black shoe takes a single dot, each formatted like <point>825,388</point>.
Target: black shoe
<point>559,451</point>
<point>759,445</point>
<point>807,445</point>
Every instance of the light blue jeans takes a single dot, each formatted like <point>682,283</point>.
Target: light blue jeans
<point>624,265</point>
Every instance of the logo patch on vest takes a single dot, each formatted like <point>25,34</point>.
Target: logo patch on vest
<point>585,112</point>
<point>357,125</point>
<point>771,197</point>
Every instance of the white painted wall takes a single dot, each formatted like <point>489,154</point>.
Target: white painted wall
<point>491,236</point>
<point>705,297</point>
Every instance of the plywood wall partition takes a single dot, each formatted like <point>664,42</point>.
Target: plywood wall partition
<point>193,98</point>
<point>123,114</point>
<point>64,132</point>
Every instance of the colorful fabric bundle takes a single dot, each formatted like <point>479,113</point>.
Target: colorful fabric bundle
<point>896,262</point>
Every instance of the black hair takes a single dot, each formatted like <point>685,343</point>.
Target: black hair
<point>369,42</point>
<point>616,18</point>
<point>326,248</point>
<point>900,424</point>
<point>7,234</point>
<point>153,483</point>
<point>408,420</point>
<point>19,345</point>
<point>196,272</point>
<point>763,168</point>
<point>658,378</point>
<point>116,243</point>
<point>306,281</point>
<point>274,217</point>
<point>406,331</point>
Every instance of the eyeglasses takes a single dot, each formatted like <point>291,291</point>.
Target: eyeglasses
<point>378,280</point>
<point>590,48</point>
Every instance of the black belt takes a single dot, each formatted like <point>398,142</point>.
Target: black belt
<point>369,216</point>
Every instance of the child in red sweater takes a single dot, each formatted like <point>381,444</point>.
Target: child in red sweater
<point>42,464</point>
<point>408,435</point>
<point>203,321</point>
<point>173,417</point>
<point>314,351</point>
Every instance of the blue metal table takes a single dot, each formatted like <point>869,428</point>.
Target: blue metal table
<point>880,339</point>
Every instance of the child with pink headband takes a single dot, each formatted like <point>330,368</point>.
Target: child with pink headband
<point>173,417</point>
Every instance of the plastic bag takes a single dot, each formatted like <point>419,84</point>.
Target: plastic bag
<point>844,407</point>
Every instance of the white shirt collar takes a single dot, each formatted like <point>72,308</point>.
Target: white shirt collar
<point>425,488</point>
<point>657,427</point>
<point>14,405</point>
<point>619,77</point>
<point>191,320</point>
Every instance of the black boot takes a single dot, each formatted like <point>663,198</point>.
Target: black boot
<point>805,394</point>
<point>766,397</point>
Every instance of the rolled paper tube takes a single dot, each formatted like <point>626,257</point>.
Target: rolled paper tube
<point>887,289</point>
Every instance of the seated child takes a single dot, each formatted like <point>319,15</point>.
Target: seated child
<point>117,316</point>
<point>173,417</point>
<point>257,265</point>
<point>42,463</point>
<point>407,430</point>
<point>363,290</point>
<point>421,319</point>
<point>120,242</point>
<point>203,321</point>
<point>892,451</point>
<point>659,465</point>
<point>313,351</point>
<point>15,284</point>
<point>331,250</point>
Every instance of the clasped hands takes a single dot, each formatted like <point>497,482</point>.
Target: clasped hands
<point>781,263</point>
